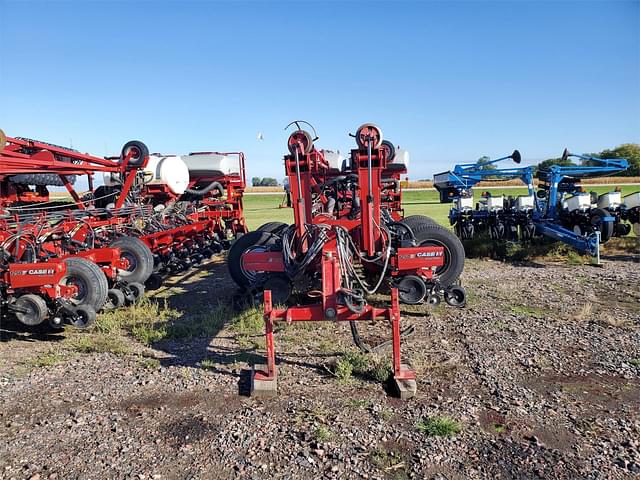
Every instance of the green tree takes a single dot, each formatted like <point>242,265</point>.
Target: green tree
<point>483,161</point>
<point>255,181</point>
<point>630,151</point>
<point>269,182</point>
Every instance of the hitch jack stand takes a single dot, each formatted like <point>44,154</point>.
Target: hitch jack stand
<point>264,381</point>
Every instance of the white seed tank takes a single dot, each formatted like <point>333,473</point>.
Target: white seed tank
<point>170,171</point>
<point>401,160</point>
<point>167,170</point>
<point>524,203</point>
<point>464,203</point>
<point>334,159</point>
<point>610,200</point>
<point>211,164</point>
<point>492,203</point>
<point>580,201</point>
<point>632,200</point>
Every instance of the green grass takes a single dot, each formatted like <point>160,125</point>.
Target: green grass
<point>260,209</point>
<point>439,427</point>
<point>100,343</point>
<point>368,367</point>
<point>47,359</point>
<point>357,403</point>
<point>635,362</point>
<point>322,434</point>
<point>527,311</point>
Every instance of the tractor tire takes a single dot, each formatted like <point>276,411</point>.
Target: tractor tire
<point>89,279</point>
<point>438,236</point>
<point>251,241</point>
<point>606,228</point>
<point>140,259</point>
<point>414,220</point>
<point>273,227</point>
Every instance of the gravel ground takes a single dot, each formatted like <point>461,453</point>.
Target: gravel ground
<point>541,371</point>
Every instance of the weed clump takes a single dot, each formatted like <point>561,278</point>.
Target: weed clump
<point>364,366</point>
<point>439,427</point>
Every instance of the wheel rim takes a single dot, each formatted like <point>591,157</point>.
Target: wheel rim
<point>132,263</point>
<point>80,285</point>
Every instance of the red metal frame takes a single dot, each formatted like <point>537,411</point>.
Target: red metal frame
<point>307,170</point>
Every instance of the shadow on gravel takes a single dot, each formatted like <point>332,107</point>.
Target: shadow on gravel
<point>13,330</point>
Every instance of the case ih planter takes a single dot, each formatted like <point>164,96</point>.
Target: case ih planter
<point>348,241</point>
<point>143,223</point>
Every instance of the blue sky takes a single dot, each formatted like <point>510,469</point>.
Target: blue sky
<point>449,81</point>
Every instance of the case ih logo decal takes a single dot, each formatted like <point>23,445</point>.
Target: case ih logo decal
<point>35,271</point>
<point>421,255</point>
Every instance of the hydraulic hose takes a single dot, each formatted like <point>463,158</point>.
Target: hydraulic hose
<point>202,192</point>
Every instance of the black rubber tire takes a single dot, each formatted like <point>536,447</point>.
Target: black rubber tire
<point>115,299</point>
<point>273,227</point>
<point>143,152</point>
<point>606,228</point>
<point>455,296</point>
<point>137,290</point>
<point>139,255</point>
<point>391,150</point>
<point>37,311</point>
<point>415,220</point>
<point>86,316</point>
<point>436,235</point>
<point>242,245</point>
<point>154,282</point>
<point>90,279</point>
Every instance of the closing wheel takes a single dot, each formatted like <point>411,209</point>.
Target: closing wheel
<point>273,227</point>
<point>606,228</point>
<point>437,236</point>
<point>251,242</point>
<point>455,296</point>
<point>300,139</point>
<point>390,150</point>
<point>115,299</point>
<point>527,231</point>
<point>138,152</point>
<point>411,289</point>
<point>433,300</point>
<point>154,282</point>
<point>30,309</point>
<point>89,281</point>
<point>137,292</point>
<point>83,316</point>
<point>138,256</point>
<point>280,287</point>
<point>369,132</point>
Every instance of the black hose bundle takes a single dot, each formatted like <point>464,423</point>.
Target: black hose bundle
<point>203,191</point>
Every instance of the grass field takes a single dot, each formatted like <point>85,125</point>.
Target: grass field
<point>263,208</point>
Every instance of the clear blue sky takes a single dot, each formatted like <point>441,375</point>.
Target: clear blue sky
<point>449,81</point>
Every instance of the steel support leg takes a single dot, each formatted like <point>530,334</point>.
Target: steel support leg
<point>403,377</point>
<point>264,382</point>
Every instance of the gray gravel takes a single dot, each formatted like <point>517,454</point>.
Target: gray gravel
<point>541,371</point>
